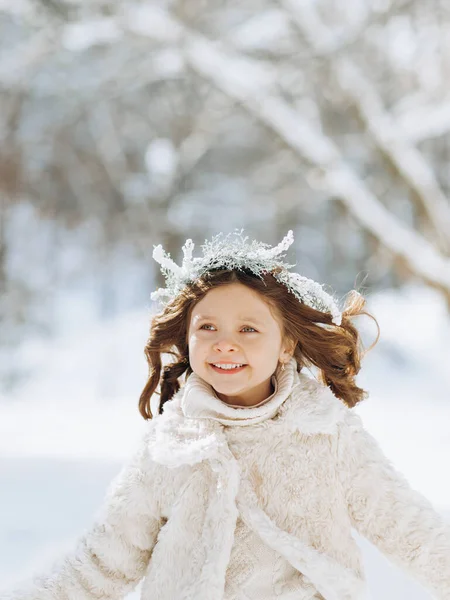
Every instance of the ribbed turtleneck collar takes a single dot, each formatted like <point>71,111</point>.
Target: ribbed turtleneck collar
<point>200,400</point>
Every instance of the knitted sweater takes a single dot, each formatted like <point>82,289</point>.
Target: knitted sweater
<point>255,571</point>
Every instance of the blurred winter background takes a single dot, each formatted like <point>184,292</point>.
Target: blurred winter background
<point>128,124</point>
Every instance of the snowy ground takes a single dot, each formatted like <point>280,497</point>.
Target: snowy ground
<point>55,468</point>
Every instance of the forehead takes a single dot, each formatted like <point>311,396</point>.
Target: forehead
<point>233,301</point>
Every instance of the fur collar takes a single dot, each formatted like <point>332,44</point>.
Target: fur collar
<point>311,408</point>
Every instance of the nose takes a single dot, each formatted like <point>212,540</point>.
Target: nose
<point>224,346</point>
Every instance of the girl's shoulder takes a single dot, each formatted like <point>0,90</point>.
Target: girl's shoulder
<point>176,441</point>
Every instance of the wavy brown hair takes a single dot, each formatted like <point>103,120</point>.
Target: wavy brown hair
<point>336,351</point>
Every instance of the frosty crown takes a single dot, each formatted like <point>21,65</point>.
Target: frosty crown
<point>258,257</point>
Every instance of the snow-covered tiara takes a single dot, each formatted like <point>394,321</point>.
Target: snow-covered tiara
<point>256,256</point>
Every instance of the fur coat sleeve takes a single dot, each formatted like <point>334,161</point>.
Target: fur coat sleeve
<point>393,516</point>
<point>111,557</point>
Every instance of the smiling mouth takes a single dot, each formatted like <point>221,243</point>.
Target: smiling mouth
<point>227,371</point>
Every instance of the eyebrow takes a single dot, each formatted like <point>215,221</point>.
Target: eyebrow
<point>250,319</point>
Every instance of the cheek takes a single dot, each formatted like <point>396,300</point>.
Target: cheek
<point>196,342</point>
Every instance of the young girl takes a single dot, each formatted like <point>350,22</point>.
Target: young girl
<point>251,474</point>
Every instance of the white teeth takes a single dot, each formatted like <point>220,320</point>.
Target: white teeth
<point>228,366</point>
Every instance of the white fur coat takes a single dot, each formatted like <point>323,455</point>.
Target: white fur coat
<point>301,480</point>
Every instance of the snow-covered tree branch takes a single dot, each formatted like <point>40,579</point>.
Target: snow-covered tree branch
<point>338,179</point>
<point>386,133</point>
<point>135,118</point>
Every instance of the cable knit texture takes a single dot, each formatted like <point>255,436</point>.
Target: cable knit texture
<point>223,503</point>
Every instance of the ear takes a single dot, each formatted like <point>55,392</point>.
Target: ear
<point>287,350</point>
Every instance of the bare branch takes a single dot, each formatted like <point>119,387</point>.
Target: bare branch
<point>426,121</point>
<point>386,133</point>
<point>222,68</point>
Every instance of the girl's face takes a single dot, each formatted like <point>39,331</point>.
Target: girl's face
<point>233,324</point>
